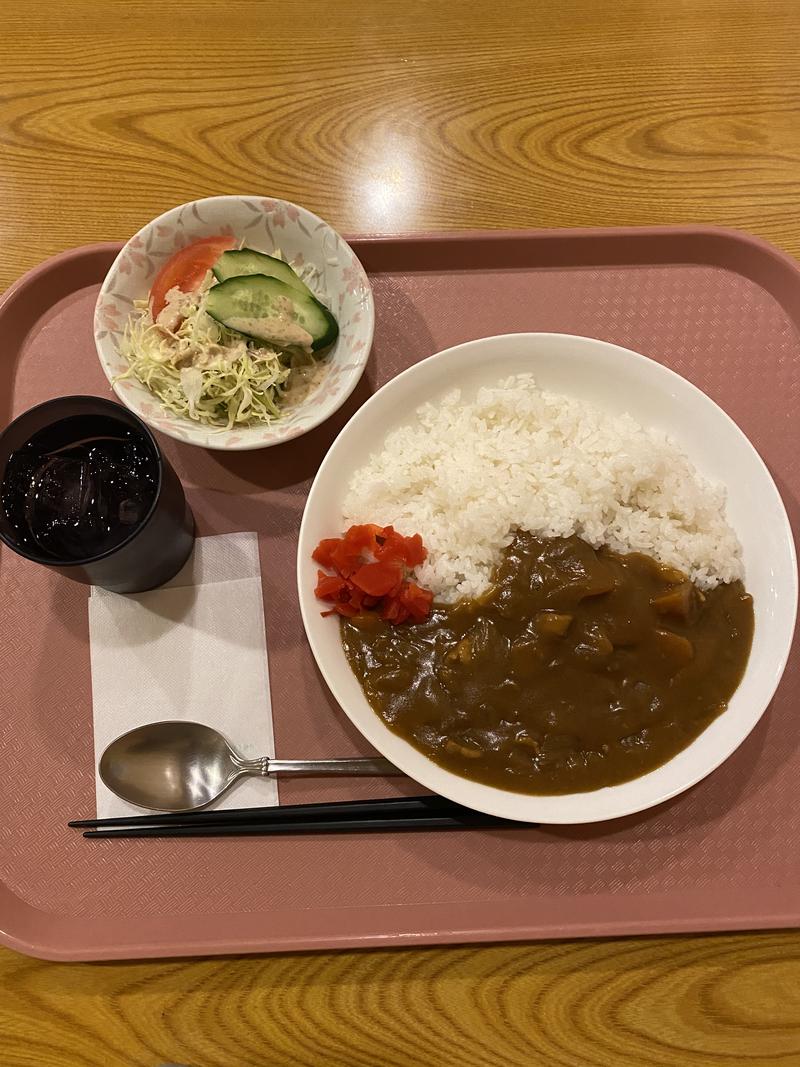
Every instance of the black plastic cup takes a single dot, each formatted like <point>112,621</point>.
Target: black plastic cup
<point>157,546</point>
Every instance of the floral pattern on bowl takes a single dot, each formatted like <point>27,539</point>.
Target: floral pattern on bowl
<point>264,224</point>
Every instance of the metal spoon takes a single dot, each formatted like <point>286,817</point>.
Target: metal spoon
<point>180,766</point>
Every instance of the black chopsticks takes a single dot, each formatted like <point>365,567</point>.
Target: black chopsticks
<point>349,816</point>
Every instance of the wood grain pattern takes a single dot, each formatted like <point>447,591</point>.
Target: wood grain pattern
<point>398,114</point>
<point>386,115</point>
<point>703,1001</point>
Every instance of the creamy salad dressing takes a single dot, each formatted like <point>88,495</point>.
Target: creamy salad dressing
<point>217,373</point>
<point>281,326</point>
<point>304,381</point>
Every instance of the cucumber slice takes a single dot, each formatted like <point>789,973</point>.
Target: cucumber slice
<point>268,310</point>
<point>237,263</point>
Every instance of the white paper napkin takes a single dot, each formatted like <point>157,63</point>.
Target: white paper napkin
<point>195,649</point>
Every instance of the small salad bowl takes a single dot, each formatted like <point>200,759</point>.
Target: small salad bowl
<point>304,240</point>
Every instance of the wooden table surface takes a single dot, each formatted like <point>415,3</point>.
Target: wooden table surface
<point>388,116</point>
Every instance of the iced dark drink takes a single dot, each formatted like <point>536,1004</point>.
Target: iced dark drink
<point>86,490</point>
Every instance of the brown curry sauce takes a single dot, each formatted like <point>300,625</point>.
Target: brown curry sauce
<point>577,669</point>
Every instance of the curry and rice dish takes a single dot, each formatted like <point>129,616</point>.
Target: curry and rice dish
<point>568,612</point>
<point>578,668</point>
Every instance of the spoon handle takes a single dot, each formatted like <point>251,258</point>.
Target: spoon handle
<point>355,766</point>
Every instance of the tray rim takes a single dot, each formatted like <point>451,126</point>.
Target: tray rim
<point>519,928</point>
<point>637,234</point>
<point>627,924</point>
<point>559,232</point>
<point>58,259</point>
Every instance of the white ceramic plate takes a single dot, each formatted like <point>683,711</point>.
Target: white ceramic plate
<point>265,225</point>
<point>620,381</point>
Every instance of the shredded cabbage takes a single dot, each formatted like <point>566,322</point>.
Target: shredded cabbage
<point>199,369</point>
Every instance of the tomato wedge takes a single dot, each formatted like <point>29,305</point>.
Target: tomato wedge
<point>187,268</point>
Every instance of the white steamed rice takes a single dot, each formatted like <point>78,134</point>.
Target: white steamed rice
<point>467,474</point>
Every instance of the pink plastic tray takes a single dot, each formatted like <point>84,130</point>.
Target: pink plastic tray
<point>721,308</point>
